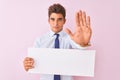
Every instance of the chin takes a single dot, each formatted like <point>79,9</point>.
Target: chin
<point>56,31</point>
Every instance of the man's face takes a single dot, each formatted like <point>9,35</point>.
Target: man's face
<point>56,21</point>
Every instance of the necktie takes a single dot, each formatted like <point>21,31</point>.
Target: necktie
<point>57,77</point>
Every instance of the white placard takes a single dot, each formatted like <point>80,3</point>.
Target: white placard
<point>72,62</point>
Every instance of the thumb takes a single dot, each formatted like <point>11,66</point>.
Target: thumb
<point>69,32</point>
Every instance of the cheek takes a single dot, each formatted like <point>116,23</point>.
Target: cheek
<point>51,23</point>
<point>61,24</point>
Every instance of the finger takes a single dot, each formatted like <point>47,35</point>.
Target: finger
<point>88,22</point>
<point>28,65</point>
<point>26,59</point>
<point>29,62</point>
<point>29,58</point>
<point>84,18</point>
<point>77,19</point>
<point>69,32</point>
<point>80,18</point>
<point>27,68</point>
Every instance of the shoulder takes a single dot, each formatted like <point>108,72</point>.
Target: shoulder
<point>65,36</point>
<point>42,37</point>
<point>39,40</point>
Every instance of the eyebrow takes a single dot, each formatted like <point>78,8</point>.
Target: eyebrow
<point>52,18</point>
<point>58,18</point>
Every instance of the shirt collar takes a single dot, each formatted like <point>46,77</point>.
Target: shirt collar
<point>61,33</point>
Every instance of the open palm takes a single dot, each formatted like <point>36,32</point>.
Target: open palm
<point>83,30</point>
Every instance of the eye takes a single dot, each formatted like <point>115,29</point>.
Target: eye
<point>60,19</point>
<point>52,19</point>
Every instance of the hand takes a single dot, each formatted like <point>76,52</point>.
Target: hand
<point>28,63</point>
<point>83,30</point>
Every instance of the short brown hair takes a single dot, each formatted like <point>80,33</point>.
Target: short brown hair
<point>57,8</point>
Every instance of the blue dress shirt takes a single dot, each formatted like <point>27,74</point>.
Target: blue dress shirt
<point>47,41</point>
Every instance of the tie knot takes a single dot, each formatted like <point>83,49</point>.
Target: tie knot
<point>57,35</point>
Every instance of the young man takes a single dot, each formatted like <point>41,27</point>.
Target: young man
<point>79,39</point>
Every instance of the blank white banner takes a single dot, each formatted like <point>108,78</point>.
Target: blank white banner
<point>72,62</point>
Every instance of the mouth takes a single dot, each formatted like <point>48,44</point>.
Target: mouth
<point>56,27</point>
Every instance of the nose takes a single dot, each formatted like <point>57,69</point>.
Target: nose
<point>56,23</point>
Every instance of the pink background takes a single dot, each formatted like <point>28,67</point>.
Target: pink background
<point>21,21</point>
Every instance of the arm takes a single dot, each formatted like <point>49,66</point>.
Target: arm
<point>29,62</point>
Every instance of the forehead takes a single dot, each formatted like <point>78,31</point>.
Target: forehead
<point>56,15</point>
